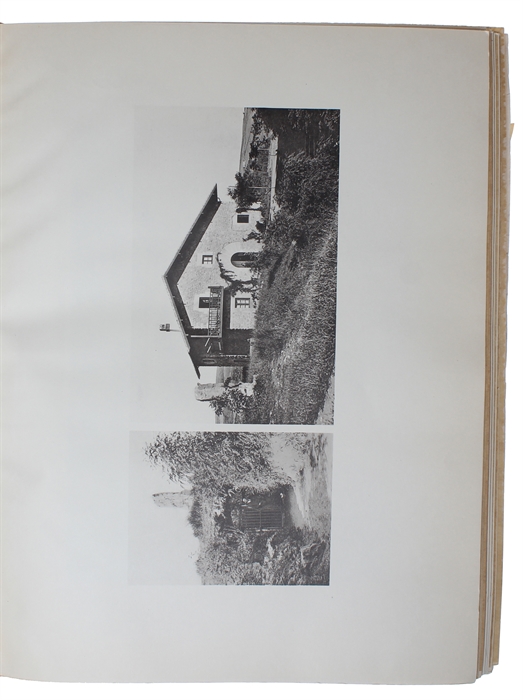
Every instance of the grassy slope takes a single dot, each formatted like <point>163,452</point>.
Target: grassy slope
<point>293,353</point>
<point>294,338</point>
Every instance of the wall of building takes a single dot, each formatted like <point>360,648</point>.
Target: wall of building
<point>223,237</point>
<point>220,352</point>
<point>242,316</point>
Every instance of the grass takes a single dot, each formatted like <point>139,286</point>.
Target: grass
<point>294,341</point>
<point>294,337</point>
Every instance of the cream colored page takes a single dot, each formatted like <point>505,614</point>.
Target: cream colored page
<point>402,604</point>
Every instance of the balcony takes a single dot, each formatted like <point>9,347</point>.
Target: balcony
<point>215,312</point>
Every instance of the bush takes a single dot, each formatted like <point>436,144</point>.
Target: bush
<point>211,461</point>
<point>195,518</point>
<point>242,192</point>
<point>309,186</point>
<point>234,400</point>
<point>279,558</point>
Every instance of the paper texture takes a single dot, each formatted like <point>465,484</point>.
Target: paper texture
<point>402,602</point>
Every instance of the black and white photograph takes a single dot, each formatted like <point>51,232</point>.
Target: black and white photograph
<point>235,264</point>
<point>230,508</point>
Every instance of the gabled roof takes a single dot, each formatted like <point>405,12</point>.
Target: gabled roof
<point>189,245</point>
<point>182,258</point>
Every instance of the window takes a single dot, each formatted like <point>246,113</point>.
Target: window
<point>242,218</point>
<point>207,259</point>
<point>205,302</point>
<point>242,302</point>
<point>244,259</point>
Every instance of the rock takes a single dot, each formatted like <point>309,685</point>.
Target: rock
<point>312,553</point>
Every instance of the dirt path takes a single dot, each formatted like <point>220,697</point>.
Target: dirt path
<point>326,414</point>
<point>307,461</point>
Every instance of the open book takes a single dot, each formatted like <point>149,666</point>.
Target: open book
<point>254,350</point>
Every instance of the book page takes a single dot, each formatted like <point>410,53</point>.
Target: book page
<point>114,138</point>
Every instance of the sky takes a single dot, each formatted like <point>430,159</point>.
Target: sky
<point>162,547</point>
<point>180,154</point>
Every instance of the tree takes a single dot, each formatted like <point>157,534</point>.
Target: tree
<point>233,399</point>
<point>243,193</point>
<point>211,461</point>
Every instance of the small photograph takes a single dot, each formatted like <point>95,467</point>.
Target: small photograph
<point>230,508</point>
<point>251,284</point>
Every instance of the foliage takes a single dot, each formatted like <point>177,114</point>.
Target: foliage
<point>211,461</point>
<point>195,517</point>
<point>298,128</point>
<point>235,285</point>
<point>243,193</point>
<point>293,556</point>
<point>232,556</point>
<point>294,337</point>
<point>232,399</point>
<point>259,144</point>
<point>309,185</point>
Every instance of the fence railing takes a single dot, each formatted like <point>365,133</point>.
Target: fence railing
<point>215,311</point>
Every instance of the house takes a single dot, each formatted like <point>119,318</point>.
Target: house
<point>210,282</point>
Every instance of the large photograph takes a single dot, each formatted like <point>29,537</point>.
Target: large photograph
<point>252,282</point>
<point>230,508</point>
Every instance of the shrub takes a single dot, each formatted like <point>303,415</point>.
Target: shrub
<point>234,400</point>
<point>195,518</point>
<point>286,557</point>
<point>212,460</point>
<point>243,193</point>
